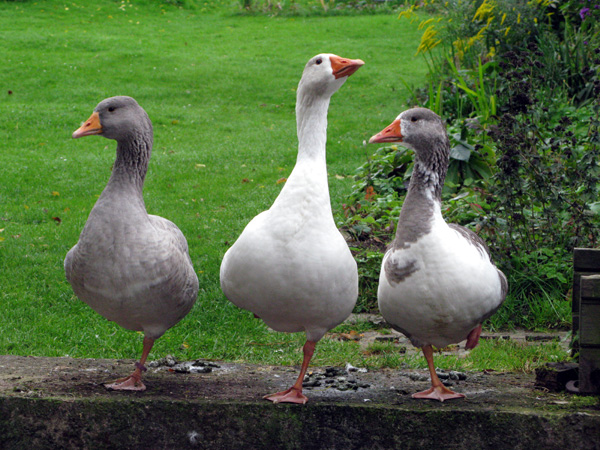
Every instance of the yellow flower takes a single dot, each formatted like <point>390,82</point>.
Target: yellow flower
<point>503,18</point>
<point>425,22</point>
<point>507,30</point>
<point>408,13</point>
<point>484,10</point>
<point>519,18</point>
<point>429,40</point>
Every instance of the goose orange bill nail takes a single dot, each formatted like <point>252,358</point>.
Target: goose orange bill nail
<point>344,67</point>
<point>390,133</point>
<point>90,127</point>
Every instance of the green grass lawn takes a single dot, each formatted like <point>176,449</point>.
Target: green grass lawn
<point>220,90</point>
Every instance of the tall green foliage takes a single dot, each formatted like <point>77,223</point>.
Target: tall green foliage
<point>518,84</point>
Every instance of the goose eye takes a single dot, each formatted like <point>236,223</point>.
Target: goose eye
<point>318,61</point>
<point>413,119</point>
<point>111,108</point>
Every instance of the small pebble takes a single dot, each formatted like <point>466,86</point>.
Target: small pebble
<point>351,368</point>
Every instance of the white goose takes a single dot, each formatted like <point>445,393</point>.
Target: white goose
<point>291,266</point>
<point>437,282</point>
<point>130,267</point>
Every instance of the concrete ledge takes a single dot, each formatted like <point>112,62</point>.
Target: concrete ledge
<point>60,403</point>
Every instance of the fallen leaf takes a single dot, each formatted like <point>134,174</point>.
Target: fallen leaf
<point>57,220</point>
<point>370,193</point>
<point>1,230</point>
<point>200,166</point>
<point>245,180</point>
<point>340,177</point>
<point>1,239</point>
<point>26,207</point>
<point>351,336</point>
<point>281,180</point>
<point>16,236</point>
<point>55,193</point>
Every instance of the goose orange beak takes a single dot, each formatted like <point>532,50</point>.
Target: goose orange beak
<point>90,127</point>
<point>343,67</point>
<point>390,133</point>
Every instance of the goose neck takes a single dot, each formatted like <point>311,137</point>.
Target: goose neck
<point>131,163</point>
<point>311,121</point>
<point>428,180</point>
<point>422,204</point>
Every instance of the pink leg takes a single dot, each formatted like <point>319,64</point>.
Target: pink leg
<point>294,394</point>
<point>437,391</point>
<point>134,381</point>
<point>473,338</point>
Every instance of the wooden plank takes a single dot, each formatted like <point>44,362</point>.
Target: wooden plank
<point>590,289</point>
<point>589,370</point>
<point>576,291</point>
<point>589,311</point>
<point>589,325</point>
<point>586,262</point>
<point>586,259</point>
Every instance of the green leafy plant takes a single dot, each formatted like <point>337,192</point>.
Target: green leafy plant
<point>518,84</point>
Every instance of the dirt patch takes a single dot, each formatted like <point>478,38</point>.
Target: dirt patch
<point>62,403</point>
<point>84,378</point>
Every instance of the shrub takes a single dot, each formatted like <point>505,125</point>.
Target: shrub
<point>317,7</point>
<point>519,87</point>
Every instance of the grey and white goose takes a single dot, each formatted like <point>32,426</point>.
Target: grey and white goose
<point>437,283</point>
<point>291,266</point>
<point>131,267</point>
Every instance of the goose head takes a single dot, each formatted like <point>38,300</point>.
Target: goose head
<point>325,73</point>
<point>419,129</point>
<point>116,118</point>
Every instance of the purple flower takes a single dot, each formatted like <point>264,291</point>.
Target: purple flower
<point>584,12</point>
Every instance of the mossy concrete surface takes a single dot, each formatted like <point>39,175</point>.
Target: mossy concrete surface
<point>61,403</point>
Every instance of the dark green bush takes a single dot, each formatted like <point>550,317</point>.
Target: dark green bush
<point>518,84</point>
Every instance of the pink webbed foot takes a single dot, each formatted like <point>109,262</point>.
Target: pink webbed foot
<point>439,393</point>
<point>473,338</point>
<point>294,394</point>
<point>291,395</point>
<point>131,383</point>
